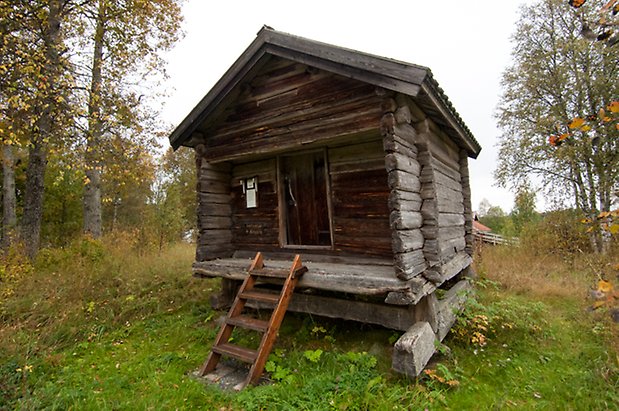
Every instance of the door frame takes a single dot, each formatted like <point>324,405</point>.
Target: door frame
<point>281,202</point>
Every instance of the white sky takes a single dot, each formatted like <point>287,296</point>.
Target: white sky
<point>466,44</point>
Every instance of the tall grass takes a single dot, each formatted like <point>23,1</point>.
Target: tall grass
<point>89,287</point>
<point>111,324</point>
<point>519,270</point>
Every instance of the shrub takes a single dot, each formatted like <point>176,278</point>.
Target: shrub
<point>559,232</point>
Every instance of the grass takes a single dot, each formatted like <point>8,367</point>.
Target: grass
<point>106,325</point>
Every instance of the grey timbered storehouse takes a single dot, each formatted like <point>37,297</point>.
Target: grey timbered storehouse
<point>357,162</point>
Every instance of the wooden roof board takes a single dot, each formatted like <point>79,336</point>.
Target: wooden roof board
<point>406,78</point>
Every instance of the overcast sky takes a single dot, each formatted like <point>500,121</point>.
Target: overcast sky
<point>466,44</point>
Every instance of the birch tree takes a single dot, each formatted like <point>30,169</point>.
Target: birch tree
<point>558,76</point>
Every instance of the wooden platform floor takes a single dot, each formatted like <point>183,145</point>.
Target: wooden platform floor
<point>366,278</point>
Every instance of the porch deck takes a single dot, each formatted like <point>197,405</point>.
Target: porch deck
<point>347,275</point>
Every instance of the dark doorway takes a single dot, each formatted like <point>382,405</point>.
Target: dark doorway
<point>306,208</point>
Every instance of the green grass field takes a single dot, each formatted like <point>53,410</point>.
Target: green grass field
<point>106,326</point>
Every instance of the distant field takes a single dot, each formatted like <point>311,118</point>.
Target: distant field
<point>102,325</point>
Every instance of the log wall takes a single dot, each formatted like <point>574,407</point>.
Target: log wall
<point>255,229</point>
<point>359,198</point>
<point>288,105</point>
<point>214,209</point>
<point>429,200</point>
<point>402,165</point>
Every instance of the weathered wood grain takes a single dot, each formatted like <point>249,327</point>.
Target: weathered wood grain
<point>450,305</point>
<point>409,264</point>
<point>414,349</point>
<point>400,220</point>
<point>407,240</point>
<point>402,162</point>
<point>449,269</point>
<point>402,180</point>
<point>362,278</point>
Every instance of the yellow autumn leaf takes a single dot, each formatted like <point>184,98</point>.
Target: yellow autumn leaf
<point>598,304</point>
<point>577,122</point>
<point>614,107</point>
<point>585,128</point>
<point>605,286</point>
<point>603,214</point>
<point>614,229</point>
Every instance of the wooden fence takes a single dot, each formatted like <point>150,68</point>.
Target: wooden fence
<point>495,239</point>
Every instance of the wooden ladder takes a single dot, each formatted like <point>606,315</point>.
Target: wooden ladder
<point>235,318</point>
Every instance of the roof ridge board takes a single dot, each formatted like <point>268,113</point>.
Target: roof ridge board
<point>398,69</point>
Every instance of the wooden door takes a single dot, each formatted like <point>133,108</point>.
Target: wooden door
<point>306,208</point>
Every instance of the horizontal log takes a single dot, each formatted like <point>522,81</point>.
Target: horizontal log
<point>407,240</point>
<point>212,252</point>
<point>261,167</point>
<point>404,201</point>
<point>213,186</point>
<point>398,161</point>
<point>430,207</point>
<point>362,279</point>
<point>412,297</point>
<point>401,220</point>
<point>371,150</point>
<point>213,222</point>
<point>446,194</point>
<point>407,133</point>
<point>214,236</point>
<point>451,246</point>
<point>441,179</point>
<point>215,176</point>
<point>362,119</point>
<point>446,220</point>
<point>404,181</point>
<point>446,271</point>
<point>206,166</point>
<point>442,233</point>
<point>358,165</point>
<point>373,227</point>
<point>214,198</point>
<point>390,316</point>
<point>395,144</point>
<point>214,210</point>
<point>409,264</point>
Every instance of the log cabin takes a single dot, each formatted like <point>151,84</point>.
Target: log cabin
<point>358,163</point>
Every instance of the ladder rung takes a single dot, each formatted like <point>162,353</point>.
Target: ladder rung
<point>264,296</point>
<point>249,323</point>
<point>240,353</point>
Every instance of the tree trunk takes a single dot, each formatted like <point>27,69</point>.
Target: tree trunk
<point>92,189</point>
<point>33,197</point>
<point>35,172</point>
<point>9,199</point>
